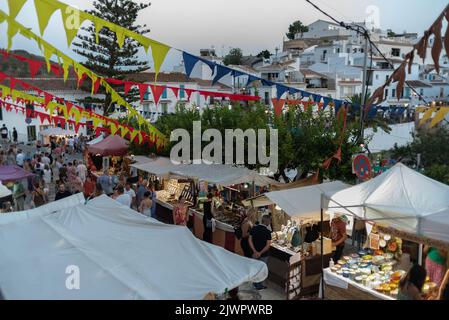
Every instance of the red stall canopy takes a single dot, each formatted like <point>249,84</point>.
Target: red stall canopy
<point>110,146</point>
<point>13,173</point>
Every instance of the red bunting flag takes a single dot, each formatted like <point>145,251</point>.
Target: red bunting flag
<point>327,163</point>
<point>175,91</point>
<point>127,87</point>
<point>47,97</point>
<point>189,93</point>
<point>12,83</point>
<point>97,85</point>
<point>34,67</point>
<point>142,90</point>
<point>56,70</point>
<point>278,105</point>
<point>157,92</point>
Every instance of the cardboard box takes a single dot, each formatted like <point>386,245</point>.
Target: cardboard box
<point>327,246</point>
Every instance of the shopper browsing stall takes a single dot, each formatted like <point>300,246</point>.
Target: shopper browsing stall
<point>260,242</point>
<point>338,235</point>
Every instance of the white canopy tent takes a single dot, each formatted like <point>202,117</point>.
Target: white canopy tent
<point>57,131</point>
<point>120,254</point>
<point>160,166</point>
<point>402,198</point>
<point>220,174</point>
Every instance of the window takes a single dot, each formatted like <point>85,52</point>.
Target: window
<point>407,92</point>
<point>267,98</point>
<point>164,106</point>
<point>338,50</point>
<point>31,133</point>
<point>181,91</point>
<point>354,50</point>
<point>164,94</point>
<point>377,77</point>
<point>393,92</point>
<point>395,52</point>
<point>348,50</point>
<point>386,77</point>
<point>386,93</point>
<point>441,92</point>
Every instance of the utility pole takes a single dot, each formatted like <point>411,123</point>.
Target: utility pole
<point>364,86</point>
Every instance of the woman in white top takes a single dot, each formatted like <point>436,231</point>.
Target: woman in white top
<point>145,204</point>
<point>47,174</point>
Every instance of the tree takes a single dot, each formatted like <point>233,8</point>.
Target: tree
<point>375,121</point>
<point>264,54</point>
<point>106,58</point>
<point>434,149</point>
<point>234,57</point>
<point>294,28</point>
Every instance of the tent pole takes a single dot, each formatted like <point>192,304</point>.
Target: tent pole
<point>322,246</point>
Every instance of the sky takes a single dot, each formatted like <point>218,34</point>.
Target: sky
<point>252,25</point>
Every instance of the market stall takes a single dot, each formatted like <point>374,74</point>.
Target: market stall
<point>5,196</point>
<point>107,154</point>
<point>55,132</point>
<point>397,213</point>
<point>295,260</point>
<point>105,239</point>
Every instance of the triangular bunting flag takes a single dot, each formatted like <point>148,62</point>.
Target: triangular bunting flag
<point>47,98</point>
<point>278,104</point>
<point>127,87</point>
<point>280,90</point>
<point>175,91</point>
<point>48,52</point>
<point>34,67</point>
<point>96,86</point>
<point>211,64</point>
<point>327,163</point>
<point>14,7</point>
<point>159,52</point>
<point>114,128</point>
<point>236,73</point>
<point>56,70</point>
<point>189,62</point>
<point>44,11</point>
<point>124,131</point>
<point>189,93</point>
<point>157,92</point>
<point>133,135</point>
<point>220,73</point>
<point>142,90</point>
<point>72,21</point>
<point>251,79</point>
<point>439,116</point>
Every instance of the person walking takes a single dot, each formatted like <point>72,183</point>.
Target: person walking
<point>47,174</point>
<point>4,133</point>
<point>260,242</point>
<point>38,196</point>
<point>247,224</point>
<point>106,182</point>
<point>20,158</point>
<point>81,169</point>
<point>122,197</point>
<point>62,192</point>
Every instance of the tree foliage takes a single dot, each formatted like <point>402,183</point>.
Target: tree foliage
<point>434,149</point>
<point>294,28</point>
<point>264,54</point>
<point>106,58</point>
<point>234,57</point>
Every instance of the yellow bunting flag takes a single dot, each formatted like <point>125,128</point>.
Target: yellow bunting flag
<point>133,135</point>
<point>63,109</point>
<point>75,114</point>
<point>12,31</point>
<point>99,24</point>
<point>439,116</point>
<point>114,128</point>
<point>140,138</point>
<point>14,7</point>
<point>48,52</point>
<point>51,108</point>
<point>124,130</point>
<point>72,21</point>
<point>44,11</point>
<point>65,66</point>
<point>426,116</point>
<point>159,52</point>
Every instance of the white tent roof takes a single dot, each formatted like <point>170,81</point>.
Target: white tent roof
<point>224,175</point>
<point>96,140</point>
<point>4,191</point>
<point>402,198</point>
<point>160,166</point>
<point>119,253</point>
<point>57,131</point>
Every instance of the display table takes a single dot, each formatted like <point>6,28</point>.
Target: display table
<point>284,264</point>
<point>341,288</point>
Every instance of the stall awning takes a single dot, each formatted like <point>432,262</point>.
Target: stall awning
<point>4,191</point>
<point>400,198</point>
<point>224,175</point>
<point>57,131</point>
<point>13,173</point>
<point>303,202</point>
<point>96,140</point>
<point>119,253</point>
<point>110,146</point>
<point>160,166</point>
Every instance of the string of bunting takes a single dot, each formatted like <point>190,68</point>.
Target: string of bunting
<point>46,8</point>
<point>51,103</point>
<point>48,51</point>
<point>157,91</point>
<point>434,114</point>
<point>399,74</point>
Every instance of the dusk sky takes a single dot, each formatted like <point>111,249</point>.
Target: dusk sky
<point>252,25</point>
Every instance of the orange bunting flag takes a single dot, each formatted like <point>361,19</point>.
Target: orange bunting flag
<point>278,105</point>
